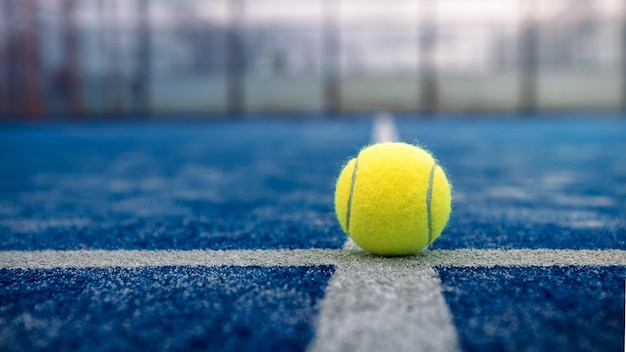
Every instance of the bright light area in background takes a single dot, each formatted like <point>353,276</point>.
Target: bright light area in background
<point>564,10</point>
<point>513,10</point>
<point>382,11</point>
<point>480,10</point>
<point>378,11</point>
<point>477,10</point>
<point>284,10</point>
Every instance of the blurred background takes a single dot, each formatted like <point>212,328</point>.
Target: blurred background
<point>88,58</point>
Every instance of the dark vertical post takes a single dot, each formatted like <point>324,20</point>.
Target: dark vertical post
<point>4,39</point>
<point>33,104</point>
<point>70,73</point>
<point>235,59</point>
<point>113,80</point>
<point>22,90</point>
<point>622,45</point>
<point>331,32</point>
<point>529,59</point>
<point>11,99</point>
<point>427,71</point>
<point>102,50</point>
<point>4,36</point>
<point>141,82</point>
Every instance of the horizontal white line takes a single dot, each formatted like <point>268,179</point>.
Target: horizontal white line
<point>527,257</point>
<point>307,257</point>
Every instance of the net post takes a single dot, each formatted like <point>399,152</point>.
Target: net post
<point>143,60</point>
<point>331,86</point>
<point>235,59</point>
<point>30,60</point>
<point>428,100</point>
<point>529,40</point>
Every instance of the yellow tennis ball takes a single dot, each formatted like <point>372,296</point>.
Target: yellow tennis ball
<point>393,199</point>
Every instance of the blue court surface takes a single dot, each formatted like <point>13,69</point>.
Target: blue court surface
<point>221,236</point>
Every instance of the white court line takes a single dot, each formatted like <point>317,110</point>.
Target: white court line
<point>341,258</point>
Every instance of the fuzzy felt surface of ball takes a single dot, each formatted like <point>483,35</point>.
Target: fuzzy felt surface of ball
<point>393,199</point>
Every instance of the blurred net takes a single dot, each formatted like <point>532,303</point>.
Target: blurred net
<point>91,57</point>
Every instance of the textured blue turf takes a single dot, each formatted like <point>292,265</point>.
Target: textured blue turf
<point>221,185</point>
<point>537,308</point>
<point>268,184</point>
<point>162,308</point>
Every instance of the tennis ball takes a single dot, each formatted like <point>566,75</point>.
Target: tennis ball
<point>393,199</point>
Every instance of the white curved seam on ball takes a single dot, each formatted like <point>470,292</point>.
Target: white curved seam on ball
<point>429,198</point>
<point>349,212</point>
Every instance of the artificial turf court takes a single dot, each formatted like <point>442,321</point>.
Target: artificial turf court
<point>221,235</point>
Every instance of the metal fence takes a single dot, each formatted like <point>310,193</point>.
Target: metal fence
<point>127,57</point>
